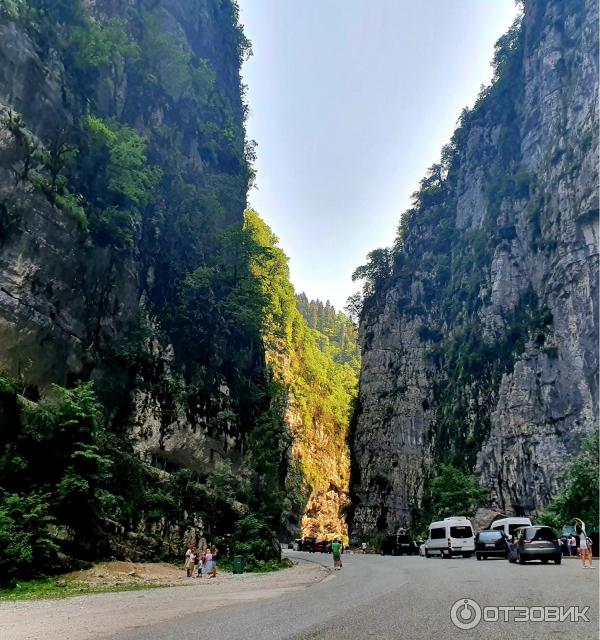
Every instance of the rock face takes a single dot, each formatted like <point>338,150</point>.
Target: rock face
<point>479,329</point>
<point>75,306</point>
<point>313,451</point>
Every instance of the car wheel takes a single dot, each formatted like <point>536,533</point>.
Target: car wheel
<point>446,555</point>
<point>557,560</point>
<point>544,560</point>
<point>520,558</point>
<point>484,557</point>
<point>478,556</point>
<point>468,554</point>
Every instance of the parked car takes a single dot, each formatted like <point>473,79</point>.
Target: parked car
<point>491,544</point>
<point>307,544</point>
<point>534,543</point>
<point>450,537</point>
<point>321,546</point>
<point>396,545</point>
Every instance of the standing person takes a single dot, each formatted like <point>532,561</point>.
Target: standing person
<point>186,563</point>
<point>590,544</point>
<point>336,551</point>
<point>579,532</point>
<point>363,546</point>
<point>572,545</point>
<point>585,547</point>
<point>192,564</point>
<point>208,562</point>
<point>201,561</point>
<point>215,555</point>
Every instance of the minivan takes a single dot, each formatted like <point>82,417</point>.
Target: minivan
<point>510,525</point>
<point>450,537</point>
<point>535,543</point>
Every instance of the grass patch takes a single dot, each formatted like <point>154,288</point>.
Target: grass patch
<point>66,586</point>
<point>57,587</point>
<point>260,566</point>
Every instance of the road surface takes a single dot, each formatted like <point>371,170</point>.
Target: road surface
<point>375,597</point>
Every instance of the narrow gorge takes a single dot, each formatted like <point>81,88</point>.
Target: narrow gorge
<point>158,382</point>
<point>479,326</point>
<point>161,380</point>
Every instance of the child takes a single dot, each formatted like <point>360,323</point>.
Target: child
<point>201,561</point>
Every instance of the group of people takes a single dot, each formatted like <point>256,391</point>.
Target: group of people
<point>569,546</point>
<point>199,561</point>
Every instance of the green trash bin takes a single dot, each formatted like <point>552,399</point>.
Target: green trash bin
<point>239,564</point>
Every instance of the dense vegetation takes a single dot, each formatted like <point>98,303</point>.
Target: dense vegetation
<point>317,365</point>
<point>148,156</point>
<point>579,498</point>
<point>334,331</point>
<point>451,493</point>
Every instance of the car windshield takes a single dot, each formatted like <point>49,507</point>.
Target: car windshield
<point>489,536</point>
<point>461,532</point>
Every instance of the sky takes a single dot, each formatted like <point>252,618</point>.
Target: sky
<point>350,102</point>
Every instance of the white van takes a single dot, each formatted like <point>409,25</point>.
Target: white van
<point>508,525</point>
<point>450,537</point>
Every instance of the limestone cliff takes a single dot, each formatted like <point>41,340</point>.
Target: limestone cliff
<point>479,328</point>
<point>123,179</point>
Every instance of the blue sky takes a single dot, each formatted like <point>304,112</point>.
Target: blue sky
<point>351,101</point>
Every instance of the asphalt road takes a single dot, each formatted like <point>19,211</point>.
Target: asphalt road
<point>402,598</point>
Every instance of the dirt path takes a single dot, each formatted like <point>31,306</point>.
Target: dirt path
<point>102,615</point>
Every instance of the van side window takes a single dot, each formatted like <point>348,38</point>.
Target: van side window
<point>461,532</point>
<point>437,534</point>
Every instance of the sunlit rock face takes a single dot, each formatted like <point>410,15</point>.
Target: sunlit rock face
<point>480,346</point>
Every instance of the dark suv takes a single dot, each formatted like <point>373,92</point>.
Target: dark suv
<point>491,543</point>
<point>396,545</point>
<point>307,544</point>
<point>534,543</point>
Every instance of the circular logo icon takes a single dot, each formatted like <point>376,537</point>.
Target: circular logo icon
<point>465,613</point>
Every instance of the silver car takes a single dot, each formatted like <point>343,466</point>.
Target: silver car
<point>534,543</point>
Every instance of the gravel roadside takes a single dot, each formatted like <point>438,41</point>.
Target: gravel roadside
<point>106,614</point>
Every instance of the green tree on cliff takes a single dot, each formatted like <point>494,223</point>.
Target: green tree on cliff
<point>453,493</point>
<point>580,498</point>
